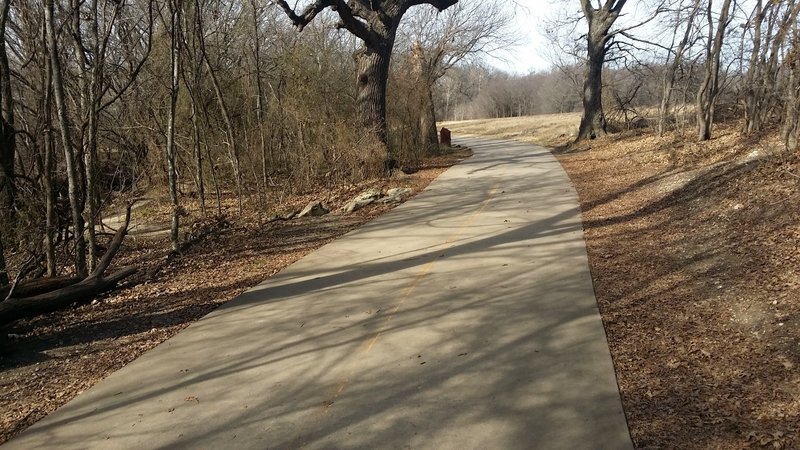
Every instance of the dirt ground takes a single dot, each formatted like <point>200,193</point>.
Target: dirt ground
<point>694,250</point>
<point>50,359</point>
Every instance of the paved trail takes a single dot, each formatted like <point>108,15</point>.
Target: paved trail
<point>463,319</point>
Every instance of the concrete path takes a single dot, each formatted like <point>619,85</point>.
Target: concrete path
<point>463,319</point>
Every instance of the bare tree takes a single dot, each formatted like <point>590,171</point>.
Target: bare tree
<point>675,58</point>
<point>375,23</point>
<point>791,117</point>
<point>709,88</point>
<point>175,10</point>
<point>600,21</point>
<point>440,40</point>
<point>232,142</point>
<point>66,140</point>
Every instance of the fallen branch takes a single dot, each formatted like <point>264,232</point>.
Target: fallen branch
<point>19,308</point>
<point>37,287</point>
<point>84,291</point>
<point>27,266</point>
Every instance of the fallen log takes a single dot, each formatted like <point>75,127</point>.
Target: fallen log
<point>84,291</point>
<point>38,286</point>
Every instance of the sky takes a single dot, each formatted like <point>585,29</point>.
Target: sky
<point>531,54</point>
<point>530,19</point>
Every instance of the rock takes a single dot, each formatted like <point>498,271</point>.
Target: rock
<point>313,209</point>
<point>361,200</point>
<point>399,192</point>
<point>396,195</point>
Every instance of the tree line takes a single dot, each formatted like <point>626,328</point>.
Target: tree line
<point>675,64</point>
<point>205,101</point>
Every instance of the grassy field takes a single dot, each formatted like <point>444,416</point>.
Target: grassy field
<point>549,129</point>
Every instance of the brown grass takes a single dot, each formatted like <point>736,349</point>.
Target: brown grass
<point>550,129</point>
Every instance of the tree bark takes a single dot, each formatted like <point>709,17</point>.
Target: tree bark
<point>752,87</point>
<point>425,78</point>
<point>90,148</point>
<point>427,120</point>
<point>198,154</point>
<point>373,75</point>
<point>14,309</point>
<point>259,93</point>
<point>66,139</point>
<point>8,146</point>
<point>593,122</point>
<point>600,20</point>
<point>49,169</point>
<point>791,124</point>
<point>38,286</point>
<point>175,71</point>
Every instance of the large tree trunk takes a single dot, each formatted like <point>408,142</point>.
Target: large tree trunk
<point>69,152</point>
<point>19,308</point>
<point>375,24</point>
<point>259,92</point>
<point>37,287</point>
<point>593,121</point>
<point>90,150</point>
<point>373,74</point>
<point>791,116</point>
<point>425,79</point>
<point>47,176</point>
<point>600,20</point>
<point>752,91</point>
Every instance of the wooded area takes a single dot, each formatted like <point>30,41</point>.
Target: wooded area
<point>671,64</point>
<point>104,102</point>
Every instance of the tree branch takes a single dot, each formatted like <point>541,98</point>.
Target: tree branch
<point>441,5</point>
<point>346,17</point>
<point>309,13</point>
